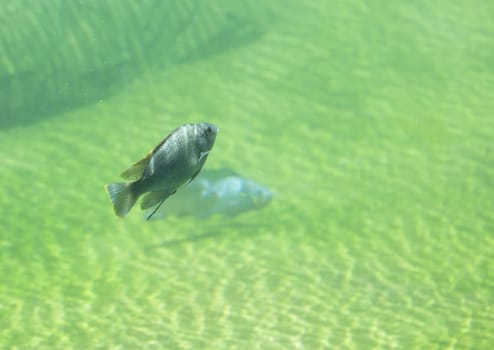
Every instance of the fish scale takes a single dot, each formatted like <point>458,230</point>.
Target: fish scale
<point>173,162</point>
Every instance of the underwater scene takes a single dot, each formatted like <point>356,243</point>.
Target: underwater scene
<point>347,201</point>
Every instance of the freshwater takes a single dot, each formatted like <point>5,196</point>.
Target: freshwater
<point>369,122</point>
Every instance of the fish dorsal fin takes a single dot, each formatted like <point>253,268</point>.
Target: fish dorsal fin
<point>137,169</point>
<point>153,198</point>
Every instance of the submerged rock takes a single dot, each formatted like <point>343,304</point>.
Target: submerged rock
<point>221,192</point>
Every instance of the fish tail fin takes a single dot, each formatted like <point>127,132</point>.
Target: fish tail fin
<point>123,197</point>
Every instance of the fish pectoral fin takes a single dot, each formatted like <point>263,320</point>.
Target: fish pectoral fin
<point>203,155</point>
<point>137,169</point>
<point>153,198</point>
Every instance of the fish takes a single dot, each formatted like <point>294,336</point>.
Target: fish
<point>216,192</point>
<point>176,160</point>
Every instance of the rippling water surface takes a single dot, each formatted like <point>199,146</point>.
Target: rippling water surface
<point>371,124</point>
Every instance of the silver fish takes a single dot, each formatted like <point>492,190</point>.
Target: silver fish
<point>216,192</point>
<point>173,162</point>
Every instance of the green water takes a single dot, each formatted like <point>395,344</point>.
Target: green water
<point>370,121</point>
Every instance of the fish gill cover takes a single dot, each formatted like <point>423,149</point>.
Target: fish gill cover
<point>90,48</point>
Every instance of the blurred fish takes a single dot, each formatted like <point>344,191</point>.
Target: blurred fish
<point>176,160</point>
<point>220,192</point>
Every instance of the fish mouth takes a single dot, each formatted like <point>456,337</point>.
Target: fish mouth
<point>212,131</point>
<point>210,128</point>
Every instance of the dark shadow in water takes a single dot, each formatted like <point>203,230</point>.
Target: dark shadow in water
<point>235,33</point>
<point>188,239</point>
<point>245,230</point>
<point>29,97</point>
<point>89,68</point>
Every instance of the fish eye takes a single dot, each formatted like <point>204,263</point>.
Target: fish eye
<point>209,129</point>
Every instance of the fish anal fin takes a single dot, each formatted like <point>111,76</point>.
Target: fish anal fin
<point>135,171</point>
<point>153,198</point>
